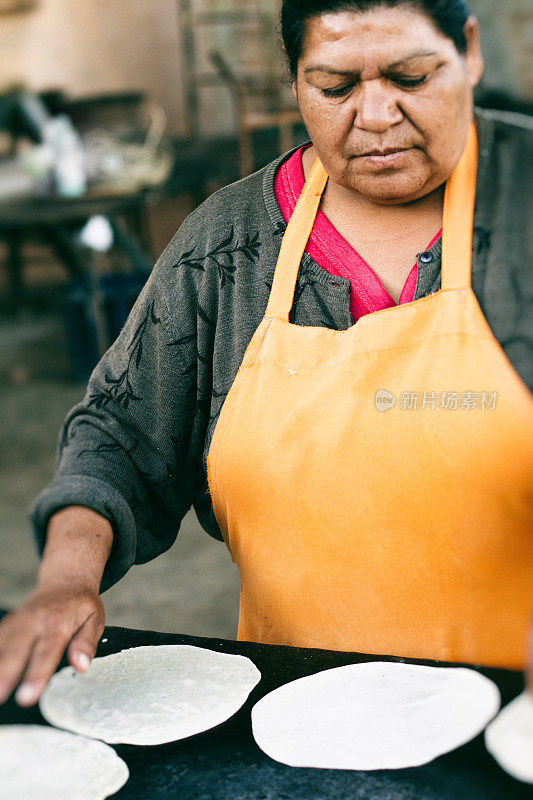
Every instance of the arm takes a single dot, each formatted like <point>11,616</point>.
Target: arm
<point>64,611</point>
<point>129,450</point>
<point>127,466</point>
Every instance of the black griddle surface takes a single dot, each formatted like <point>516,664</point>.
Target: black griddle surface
<point>226,764</point>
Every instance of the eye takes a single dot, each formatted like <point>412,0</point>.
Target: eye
<point>409,83</point>
<point>336,92</point>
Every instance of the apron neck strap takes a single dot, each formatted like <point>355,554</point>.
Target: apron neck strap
<point>458,219</point>
<point>294,243</point>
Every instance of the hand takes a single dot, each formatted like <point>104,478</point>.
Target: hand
<point>33,638</point>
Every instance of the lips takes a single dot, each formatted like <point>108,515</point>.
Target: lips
<point>388,152</point>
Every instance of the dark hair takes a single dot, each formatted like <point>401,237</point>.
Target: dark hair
<point>448,15</point>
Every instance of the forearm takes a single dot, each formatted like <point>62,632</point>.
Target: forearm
<point>78,544</point>
<point>130,449</point>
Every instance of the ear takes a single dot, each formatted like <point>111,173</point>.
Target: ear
<point>294,90</point>
<point>475,65</point>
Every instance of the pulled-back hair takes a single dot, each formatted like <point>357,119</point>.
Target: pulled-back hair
<point>448,15</point>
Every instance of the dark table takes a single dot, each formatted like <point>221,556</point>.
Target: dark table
<point>56,222</point>
<point>226,764</point>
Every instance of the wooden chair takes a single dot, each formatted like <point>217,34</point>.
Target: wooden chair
<point>277,114</point>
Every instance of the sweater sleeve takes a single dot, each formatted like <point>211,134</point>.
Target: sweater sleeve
<point>125,450</point>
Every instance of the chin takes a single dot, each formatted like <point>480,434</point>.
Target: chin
<point>389,189</point>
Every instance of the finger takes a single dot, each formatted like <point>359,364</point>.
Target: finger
<point>15,648</point>
<point>83,646</point>
<point>45,656</point>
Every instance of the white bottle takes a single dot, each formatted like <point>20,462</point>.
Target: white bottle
<point>68,170</point>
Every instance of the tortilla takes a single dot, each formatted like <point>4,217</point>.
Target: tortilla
<point>42,763</point>
<point>150,695</point>
<point>376,715</point>
<point>509,738</point>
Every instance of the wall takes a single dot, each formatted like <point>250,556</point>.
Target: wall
<point>507,38</point>
<point>97,46</point>
<point>92,46</point>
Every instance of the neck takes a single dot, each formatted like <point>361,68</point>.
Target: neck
<point>339,202</point>
<point>386,218</point>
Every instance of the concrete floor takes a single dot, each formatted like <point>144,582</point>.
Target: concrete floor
<point>192,588</point>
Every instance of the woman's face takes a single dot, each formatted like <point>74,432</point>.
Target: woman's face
<point>386,99</point>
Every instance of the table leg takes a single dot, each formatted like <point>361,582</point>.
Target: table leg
<point>96,301</point>
<point>66,249</point>
<point>126,241</point>
<point>138,222</point>
<point>14,265</point>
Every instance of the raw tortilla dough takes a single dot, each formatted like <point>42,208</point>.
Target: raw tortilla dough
<point>41,763</point>
<point>509,738</point>
<point>150,695</point>
<point>377,715</point>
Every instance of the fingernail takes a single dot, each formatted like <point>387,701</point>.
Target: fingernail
<point>26,694</point>
<point>84,661</point>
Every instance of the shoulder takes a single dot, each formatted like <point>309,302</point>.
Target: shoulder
<point>501,272</point>
<point>233,237</point>
<point>505,150</point>
<point>246,203</point>
<point>509,128</point>
<point>241,213</point>
<point>241,202</point>
<point>505,119</point>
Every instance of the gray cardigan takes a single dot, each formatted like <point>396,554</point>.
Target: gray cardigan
<point>134,449</point>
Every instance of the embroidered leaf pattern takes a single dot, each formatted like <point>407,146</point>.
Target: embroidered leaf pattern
<point>189,339</point>
<point>120,388</point>
<point>182,340</point>
<point>304,283</point>
<point>250,248</point>
<point>220,247</point>
<point>100,399</point>
<point>190,369</point>
<point>106,447</point>
<point>188,260</point>
<point>223,255</point>
<point>111,447</point>
<point>203,316</point>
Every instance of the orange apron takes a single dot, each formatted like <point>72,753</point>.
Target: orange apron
<point>375,485</point>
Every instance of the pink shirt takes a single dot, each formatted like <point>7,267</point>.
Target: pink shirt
<point>331,251</point>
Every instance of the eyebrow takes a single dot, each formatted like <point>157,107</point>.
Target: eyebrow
<point>395,64</point>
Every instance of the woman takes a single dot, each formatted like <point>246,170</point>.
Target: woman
<point>371,480</point>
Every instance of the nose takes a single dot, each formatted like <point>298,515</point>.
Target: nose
<point>376,107</point>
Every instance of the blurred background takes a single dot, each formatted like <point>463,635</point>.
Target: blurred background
<point>117,118</point>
